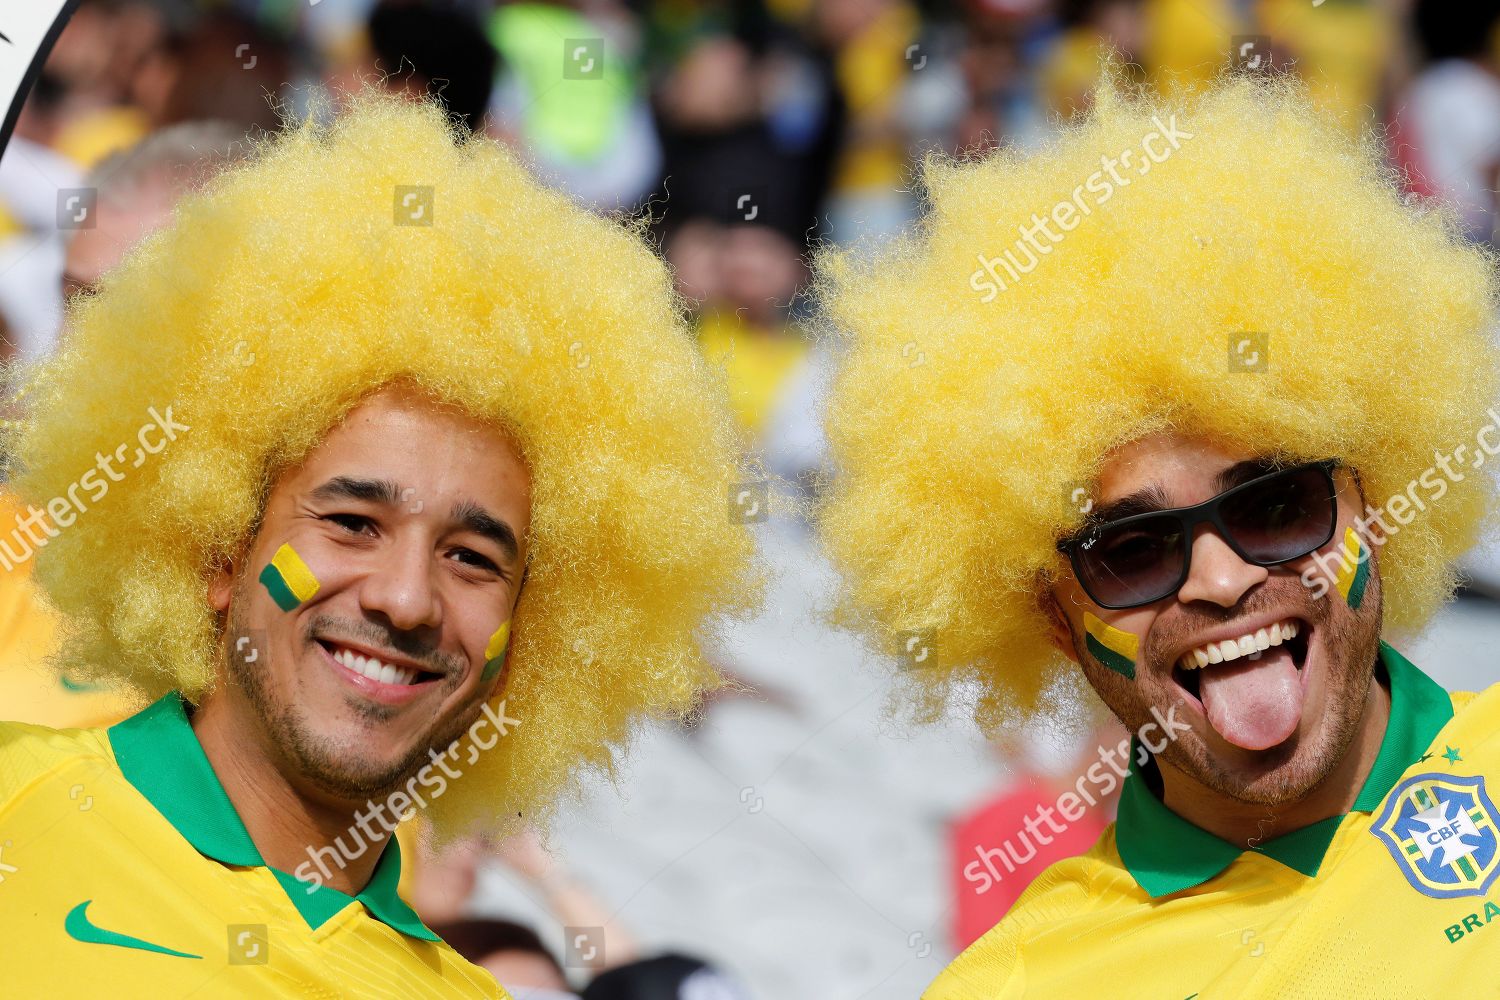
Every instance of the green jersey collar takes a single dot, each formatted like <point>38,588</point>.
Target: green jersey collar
<point>160,755</point>
<point>1165,853</point>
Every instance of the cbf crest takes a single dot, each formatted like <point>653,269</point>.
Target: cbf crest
<point>1444,833</point>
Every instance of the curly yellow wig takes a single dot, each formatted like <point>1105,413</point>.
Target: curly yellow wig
<point>286,292</point>
<point>972,402</point>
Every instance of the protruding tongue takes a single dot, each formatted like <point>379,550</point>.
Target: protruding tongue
<point>1254,704</point>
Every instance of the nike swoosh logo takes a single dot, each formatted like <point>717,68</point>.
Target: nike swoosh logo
<point>80,928</point>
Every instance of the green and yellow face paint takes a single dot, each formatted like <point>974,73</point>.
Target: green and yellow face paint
<point>1114,648</point>
<point>494,652</point>
<point>1354,570</point>
<point>287,579</point>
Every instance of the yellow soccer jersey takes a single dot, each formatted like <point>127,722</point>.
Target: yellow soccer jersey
<point>126,872</point>
<point>1397,898</point>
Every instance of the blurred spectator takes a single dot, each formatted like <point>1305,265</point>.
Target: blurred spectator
<point>578,113</point>
<point>999,79</point>
<point>513,954</point>
<point>741,280</point>
<point>668,977</point>
<point>874,44</point>
<point>221,66</point>
<point>1448,132</point>
<point>1341,50</point>
<point>419,48</point>
<point>750,115</point>
<point>136,191</point>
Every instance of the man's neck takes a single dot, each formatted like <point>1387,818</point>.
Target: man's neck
<point>283,822</point>
<point>1245,824</point>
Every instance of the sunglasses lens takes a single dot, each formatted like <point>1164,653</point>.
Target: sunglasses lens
<point>1135,563</point>
<point>1281,517</point>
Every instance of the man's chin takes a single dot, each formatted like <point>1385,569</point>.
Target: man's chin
<point>1276,776</point>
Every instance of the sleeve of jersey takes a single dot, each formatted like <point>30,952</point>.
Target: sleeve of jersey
<point>27,753</point>
<point>994,967</point>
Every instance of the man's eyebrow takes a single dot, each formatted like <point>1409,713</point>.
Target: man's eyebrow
<point>1153,498</point>
<point>352,488</point>
<point>480,521</point>
<point>470,515</point>
<point>1243,472</point>
<point>1143,501</point>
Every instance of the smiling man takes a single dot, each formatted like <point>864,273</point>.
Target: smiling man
<point>1220,436</point>
<point>441,515</point>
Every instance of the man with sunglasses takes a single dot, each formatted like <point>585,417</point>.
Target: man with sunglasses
<point>1075,483</point>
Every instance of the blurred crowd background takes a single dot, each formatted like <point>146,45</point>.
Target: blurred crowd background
<point>796,842</point>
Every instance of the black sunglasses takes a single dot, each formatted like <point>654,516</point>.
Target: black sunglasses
<point>1269,520</point>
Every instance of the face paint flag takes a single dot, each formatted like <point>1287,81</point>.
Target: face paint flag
<point>1354,570</point>
<point>27,31</point>
<point>287,579</point>
<point>1111,646</point>
<point>494,653</point>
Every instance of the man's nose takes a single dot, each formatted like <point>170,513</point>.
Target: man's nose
<point>403,588</point>
<point>1217,574</point>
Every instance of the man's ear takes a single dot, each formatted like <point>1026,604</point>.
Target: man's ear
<point>221,587</point>
<point>1058,632</point>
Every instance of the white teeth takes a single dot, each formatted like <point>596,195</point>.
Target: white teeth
<point>1249,644</point>
<point>375,670</point>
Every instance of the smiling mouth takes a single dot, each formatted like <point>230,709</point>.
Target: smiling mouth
<point>375,668</point>
<point>1289,633</point>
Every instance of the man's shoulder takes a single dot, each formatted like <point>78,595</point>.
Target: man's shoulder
<point>992,966</point>
<point>28,754</point>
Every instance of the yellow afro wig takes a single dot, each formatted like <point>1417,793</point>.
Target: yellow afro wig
<point>283,294</point>
<point>971,401</point>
